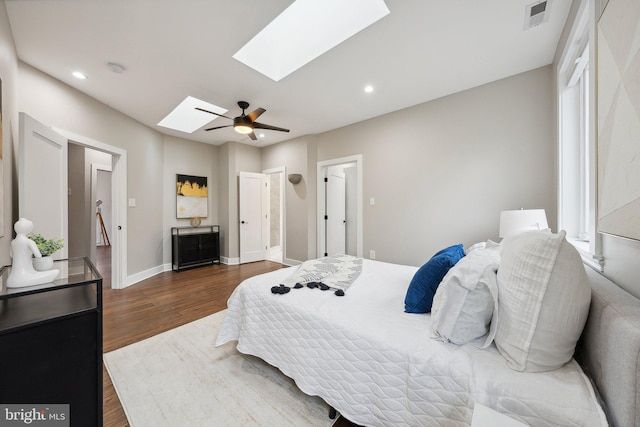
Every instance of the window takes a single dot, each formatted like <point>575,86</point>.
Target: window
<point>576,142</point>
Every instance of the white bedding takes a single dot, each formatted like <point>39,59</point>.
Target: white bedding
<point>379,366</point>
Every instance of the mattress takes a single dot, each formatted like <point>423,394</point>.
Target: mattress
<point>380,366</point>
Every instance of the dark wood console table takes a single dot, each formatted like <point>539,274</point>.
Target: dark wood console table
<point>194,246</point>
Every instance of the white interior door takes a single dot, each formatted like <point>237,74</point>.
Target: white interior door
<point>42,179</point>
<point>254,217</point>
<point>335,211</point>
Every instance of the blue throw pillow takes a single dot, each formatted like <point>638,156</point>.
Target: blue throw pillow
<point>423,286</point>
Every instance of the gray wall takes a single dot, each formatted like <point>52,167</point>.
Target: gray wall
<point>435,182</point>
<point>78,235</point>
<point>442,171</point>
<point>300,198</point>
<point>234,158</point>
<point>224,181</point>
<point>186,157</point>
<point>56,104</point>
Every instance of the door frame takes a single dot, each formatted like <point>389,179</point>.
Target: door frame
<point>118,200</point>
<point>320,193</point>
<point>283,203</point>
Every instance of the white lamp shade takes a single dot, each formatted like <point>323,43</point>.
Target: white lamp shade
<point>521,219</point>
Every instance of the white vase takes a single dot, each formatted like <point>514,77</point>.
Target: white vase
<point>43,264</point>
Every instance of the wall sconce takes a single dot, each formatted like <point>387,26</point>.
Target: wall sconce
<point>530,219</point>
<point>294,178</point>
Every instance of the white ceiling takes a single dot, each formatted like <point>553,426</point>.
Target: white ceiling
<point>422,50</point>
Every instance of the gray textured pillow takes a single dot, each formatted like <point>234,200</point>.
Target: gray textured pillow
<point>463,306</point>
<point>544,298</point>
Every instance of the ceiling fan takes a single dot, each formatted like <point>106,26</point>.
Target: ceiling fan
<point>245,123</point>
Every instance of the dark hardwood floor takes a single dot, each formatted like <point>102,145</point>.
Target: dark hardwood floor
<point>161,303</point>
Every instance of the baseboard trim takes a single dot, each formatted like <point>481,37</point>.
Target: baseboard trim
<point>138,277</point>
<point>291,262</point>
<point>229,261</point>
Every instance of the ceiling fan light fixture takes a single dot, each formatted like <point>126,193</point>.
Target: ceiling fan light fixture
<point>243,129</point>
<point>245,123</point>
<point>242,125</point>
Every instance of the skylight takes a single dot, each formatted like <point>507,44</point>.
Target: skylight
<point>186,118</point>
<point>306,30</point>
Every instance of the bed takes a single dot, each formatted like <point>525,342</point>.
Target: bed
<point>380,366</point>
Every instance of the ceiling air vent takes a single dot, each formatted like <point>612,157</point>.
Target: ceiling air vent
<point>536,13</point>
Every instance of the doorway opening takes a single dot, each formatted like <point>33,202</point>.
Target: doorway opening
<point>101,192</point>
<point>262,216</point>
<point>340,206</point>
<point>90,207</point>
<point>275,179</point>
<point>106,158</point>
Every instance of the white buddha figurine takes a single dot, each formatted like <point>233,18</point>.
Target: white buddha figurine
<point>22,250</point>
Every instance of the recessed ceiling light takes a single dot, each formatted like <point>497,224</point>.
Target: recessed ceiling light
<point>186,118</point>
<point>261,135</point>
<point>306,30</point>
<point>79,75</point>
<point>368,88</point>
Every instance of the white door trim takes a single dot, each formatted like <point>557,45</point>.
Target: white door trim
<point>321,166</point>
<point>119,201</point>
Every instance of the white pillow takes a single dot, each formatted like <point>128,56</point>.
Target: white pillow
<point>463,305</point>
<point>479,245</point>
<point>544,299</point>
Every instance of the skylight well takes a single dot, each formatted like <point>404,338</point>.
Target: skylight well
<point>306,30</point>
<point>186,118</point>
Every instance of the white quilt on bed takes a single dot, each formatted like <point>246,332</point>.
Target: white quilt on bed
<point>379,366</point>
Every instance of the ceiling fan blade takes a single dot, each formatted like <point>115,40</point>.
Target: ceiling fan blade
<point>218,127</point>
<point>252,136</point>
<point>257,125</point>
<point>255,114</point>
<point>211,112</point>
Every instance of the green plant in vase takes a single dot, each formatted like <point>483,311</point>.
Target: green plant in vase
<point>47,247</point>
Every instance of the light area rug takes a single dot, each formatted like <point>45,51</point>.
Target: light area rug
<point>178,378</point>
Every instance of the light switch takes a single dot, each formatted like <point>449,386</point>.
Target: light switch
<point>372,201</point>
<point>132,203</point>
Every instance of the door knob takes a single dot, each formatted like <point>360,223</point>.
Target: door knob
<point>244,222</point>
